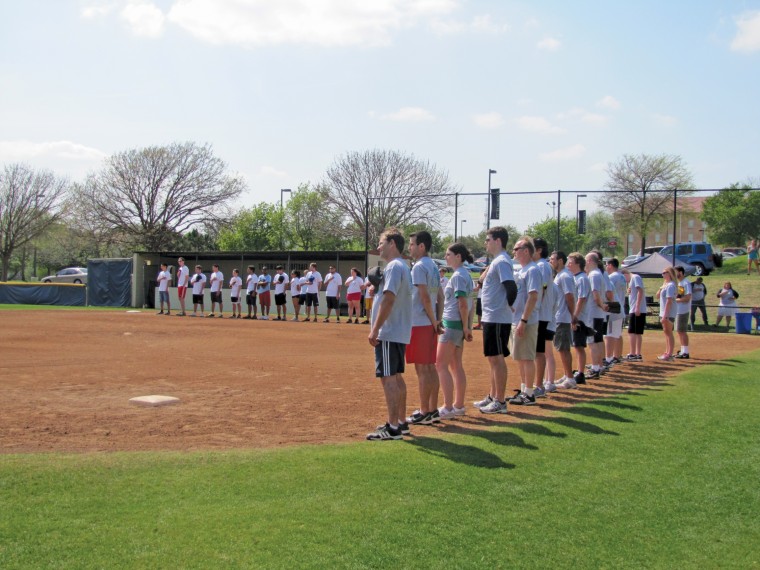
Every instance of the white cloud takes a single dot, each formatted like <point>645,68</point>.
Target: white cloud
<point>479,24</point>
<point>143,18</point>
<point>664,120</point>
<point>549,44</point>
<point>538,125</point>
<point>31,151</point>
<point>747,37</point>
<point>273,172</point>
<point>488,120</point>
<point>567,153</point>
<point>410,115</point>
<point>93,11</point>
<point>609,102</point>
<point>584,116</point>
<point>253,23</point>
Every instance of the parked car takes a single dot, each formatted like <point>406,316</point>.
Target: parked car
<point>735,250</point>
<point>631,259</point>
<point>68,275</point>
<point>727,254</point>
<point>699,254</point>
<point>649,250</point>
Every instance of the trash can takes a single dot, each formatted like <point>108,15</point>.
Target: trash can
<point>743,323</point>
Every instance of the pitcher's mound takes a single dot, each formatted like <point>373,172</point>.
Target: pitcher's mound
<point>154,400</point>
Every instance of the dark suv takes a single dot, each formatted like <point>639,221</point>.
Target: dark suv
<point>699,254</point>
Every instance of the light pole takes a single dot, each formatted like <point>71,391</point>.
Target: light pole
<point>577,198</point>
<point>553,205</point>
<point>282,205</point>
<point>461,230</point>
<point>488,199</point>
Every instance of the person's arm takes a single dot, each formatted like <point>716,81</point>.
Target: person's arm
<point>464,316</point>
<point>637,304</point>
<point>427,304</point>
<point>529,306</point>
<point>570,302</point>
<point>439,301</point>
<point>386,306</point>
<point>511,288</point>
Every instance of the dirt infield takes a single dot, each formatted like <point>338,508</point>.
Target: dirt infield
<point>67,378</point>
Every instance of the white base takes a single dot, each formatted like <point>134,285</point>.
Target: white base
<point>154,400</point>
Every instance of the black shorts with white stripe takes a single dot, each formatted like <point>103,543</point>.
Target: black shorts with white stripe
<point>389,358</point>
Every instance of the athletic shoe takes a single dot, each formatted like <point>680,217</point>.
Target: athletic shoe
<point>254,317</point>
<point>356,321</point>
<point>445,414</point>
<point>592,375</point>
<point>326,321</point>
<point>160,313</point>
<point>665,357</point>
<point>435,417</point>
<point>459,412</point>
<point>630,357</point>
<point>522,399</point>
<point>384,432</point>
<point>404,428</point>
<point>484,402</point>
<point>306,320</point>
<point>495,407</point>
<point>365,322</point>
<point>221,316</point>
<point>580,378</point>
<point>539,392</point>
<point>418,418</point>
<point>639,358</point>
<point>315,319</point>
<point>617,360</point>
<point>681,356</point>
<point>210,315</point>
<point>567,383</point>
<point>295,319</point>
<point>550,386</point>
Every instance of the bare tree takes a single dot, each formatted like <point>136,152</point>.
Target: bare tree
<point>640,189</point>
<point>152,195</point>
<point>30,202</point>
<point>389,189</point>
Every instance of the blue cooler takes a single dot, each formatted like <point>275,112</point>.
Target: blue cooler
<point>743,323</point>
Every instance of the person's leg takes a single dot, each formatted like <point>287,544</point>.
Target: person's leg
<point>443,361</point>
<point>392,389</point>
<point>728,321</point>
<point>703,309</point>
<point>460,377</point>
<point>567,363</point>
<point>498,369</point>
<point>580,356</point>
<point>551,364</point>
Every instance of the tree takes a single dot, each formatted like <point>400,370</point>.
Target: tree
<point>30,202</point>
<point>312,222</point>
<point>569,238</point>
<point>399,189</point>
<point>732,215</point>
<point>476,244</point>
<point>640,189</point>
<point>254,229</point>
<point>152,195</point>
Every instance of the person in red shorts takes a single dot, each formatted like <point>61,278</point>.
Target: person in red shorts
<point>427,305</point>
<point>183,278</point>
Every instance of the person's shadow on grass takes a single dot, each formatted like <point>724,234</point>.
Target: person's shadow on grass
<point>467,454</point>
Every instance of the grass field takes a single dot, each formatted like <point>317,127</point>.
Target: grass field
<point>662,477</point>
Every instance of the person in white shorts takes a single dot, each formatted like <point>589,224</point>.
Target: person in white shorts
<point>613,340</point>
<point>236,285</point>
<point>163,289</point>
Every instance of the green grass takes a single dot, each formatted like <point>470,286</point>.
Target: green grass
<point>661,477</point>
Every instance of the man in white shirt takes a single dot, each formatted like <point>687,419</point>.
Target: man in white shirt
<point>216,284</point>
<point>263,289</point>
<point>563,337</point>
<point>251,281</point>
<point>183,279</point>
<point>236,284</point>
<point>614,338</point>
<point>163,289</point>
<point>314,278</point>
<point>333,282</point>
<point>598,303</point>
<point>198,281</point>
<point>280,296</point>
<point>581,322</point>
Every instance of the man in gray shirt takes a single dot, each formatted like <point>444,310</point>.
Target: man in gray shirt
<point>391,332</point>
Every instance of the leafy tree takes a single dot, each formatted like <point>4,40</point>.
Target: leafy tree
<point>399,189</point>
<point>30,202</point>
<point>150,196</point>
<point>254,229</point>
<point>311,221</point>
<point>640,189</point>
<point>547,229</point>
<point>732,215</point>
<point>477,244</point>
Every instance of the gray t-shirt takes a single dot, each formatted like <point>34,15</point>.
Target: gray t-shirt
<point>545,298</point>
<point>494,298</point>
<point>583,288</point>
<point>459,284</point>
<point>397,280</point>
<point>636,286</point>
<point>684,308</point>
<point>565,284</point>
<point>617,280</point>
<point>596,281</point>
<point>424,272</point>
<point>528,280</point>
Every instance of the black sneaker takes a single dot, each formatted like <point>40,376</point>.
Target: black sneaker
<point>384,432</point>
<point>522,399</point>
<point>592,375</point>
<point>580,378</point>
<point>418,418</point>
<point>682,356</point>
<point>404,428</point>
<point>435,417</point>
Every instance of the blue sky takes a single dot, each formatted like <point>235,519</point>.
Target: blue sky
<point>546,93</point>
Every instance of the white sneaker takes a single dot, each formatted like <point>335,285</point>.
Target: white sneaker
<point>568,383</point>
<point>484,402</point>
<point>459,411</point>
<point>446,414</point>
<point>495,407</point>
<point>549,386</point>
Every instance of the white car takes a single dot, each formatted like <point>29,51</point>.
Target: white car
<point>68,275</point>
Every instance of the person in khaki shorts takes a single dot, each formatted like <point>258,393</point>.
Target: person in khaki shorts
<point>526,313</point>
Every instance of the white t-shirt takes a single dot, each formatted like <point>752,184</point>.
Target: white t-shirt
<point>250,282</point>
<point>353,285</point>
<point>315,281</point>
<point>295,286</point>
<point>217,280</point>
<point>199,282</point>
<point>280,283</point>
<point>163,280</point>
<point>183,276</point>
<point>236,284</point>
<point>333,281</point>
<point>303,283</point>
